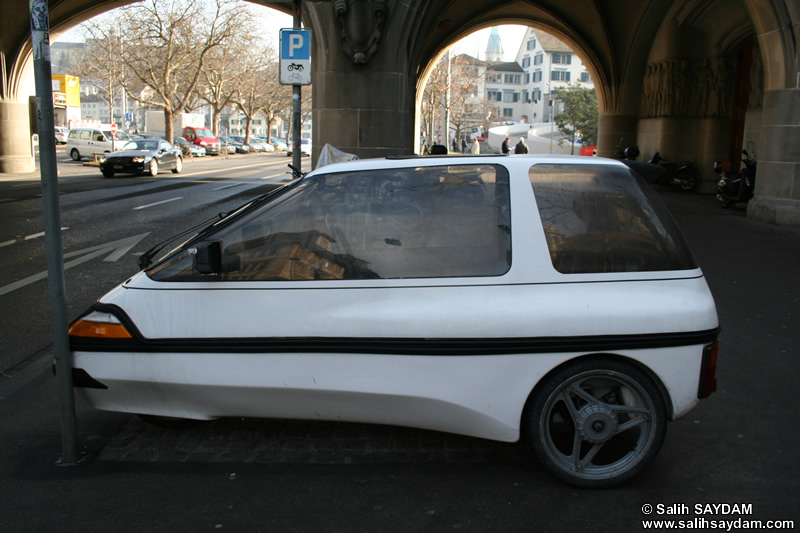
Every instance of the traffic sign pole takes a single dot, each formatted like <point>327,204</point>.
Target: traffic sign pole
<point>296,97</point>
<point>56,279</point>
<point>295,70</point>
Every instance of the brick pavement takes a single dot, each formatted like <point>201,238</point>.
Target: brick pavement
<point>243,440</point>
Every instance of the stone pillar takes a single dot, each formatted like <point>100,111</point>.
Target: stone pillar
<point>363,87</point>
<point>613,128</point>
<point>15,140</point>
<point>777,194</point>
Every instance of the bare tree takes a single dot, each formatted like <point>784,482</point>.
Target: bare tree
<point>465,94</point>
<point>100,64</point>
<point>260,91</point>
<point>167,45</point>
<point>455,87</point>
<point>225,68</point>
<point>432,101</point>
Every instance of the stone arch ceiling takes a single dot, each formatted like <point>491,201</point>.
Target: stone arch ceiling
<point>613,37</point>
<point>612,48</point>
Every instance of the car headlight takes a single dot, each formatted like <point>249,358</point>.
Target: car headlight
<point>203,143</point>
<point>102,160</point>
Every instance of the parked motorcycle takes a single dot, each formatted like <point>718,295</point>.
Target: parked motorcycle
<point>736,186</point>
<point>681,174</point>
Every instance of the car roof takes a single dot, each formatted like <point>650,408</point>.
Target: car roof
<point>488,159</point>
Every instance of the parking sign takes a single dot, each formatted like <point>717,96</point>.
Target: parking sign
<point>295,57</point>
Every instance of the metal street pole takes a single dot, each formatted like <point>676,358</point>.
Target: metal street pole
<point>40,37</point>
<point>296,96</point>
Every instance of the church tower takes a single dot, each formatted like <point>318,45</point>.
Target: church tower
<point>494,50</point>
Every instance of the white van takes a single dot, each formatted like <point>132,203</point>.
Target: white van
<point>82,142</point>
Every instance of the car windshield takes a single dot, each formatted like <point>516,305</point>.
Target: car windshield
<point>204,133</point>
<point>424,222</point>
<point>135,146</point>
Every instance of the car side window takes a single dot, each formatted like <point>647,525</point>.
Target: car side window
<point>424,222</point>
<point>86,135</point>
<point>603,218</point>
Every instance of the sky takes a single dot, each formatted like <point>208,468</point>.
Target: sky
<point>474,45</point>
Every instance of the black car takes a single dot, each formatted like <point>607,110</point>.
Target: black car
<point>142,155</point>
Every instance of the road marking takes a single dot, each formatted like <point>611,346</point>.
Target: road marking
<point>158,203</point>
<point>117,248</point>
<point>227,186</point>
<point>26,238</point>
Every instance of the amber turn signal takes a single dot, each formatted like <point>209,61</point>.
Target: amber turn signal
<point>100,326</point>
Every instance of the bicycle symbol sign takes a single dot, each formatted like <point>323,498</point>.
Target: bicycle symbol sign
<point>295,59</point>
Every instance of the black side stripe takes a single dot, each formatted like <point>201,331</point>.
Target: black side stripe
<point>389,346</point>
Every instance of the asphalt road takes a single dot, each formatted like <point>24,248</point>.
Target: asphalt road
<point>124,216</point>
<point>728,462</point>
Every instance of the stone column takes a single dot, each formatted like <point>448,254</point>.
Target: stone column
<point>611,129</point>
<point>15,141</point>
<point>363,86</point>
<point>777,194</point>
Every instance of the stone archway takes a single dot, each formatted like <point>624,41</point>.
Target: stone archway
<point>426,70</point>
<point>370,54</point>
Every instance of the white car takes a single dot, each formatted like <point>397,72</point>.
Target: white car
<point>305,147</point>
<point>83,142</point>
<point>278,144</point>
<point>61,134</point>
<point>547,297</point>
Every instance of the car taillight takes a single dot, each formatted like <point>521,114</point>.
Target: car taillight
<point>708,371</point>
<point>99,325</point>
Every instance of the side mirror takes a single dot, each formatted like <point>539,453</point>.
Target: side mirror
<point>208,258</point>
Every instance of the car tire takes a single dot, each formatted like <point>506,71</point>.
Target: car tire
<point>169,422</point>
<point>108,173</point>
<point>75,154</point>
<point>597,422</point>
<point>178,166</point>
<point>153,167</point>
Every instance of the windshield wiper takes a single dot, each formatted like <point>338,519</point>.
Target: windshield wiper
<point>146,258</point>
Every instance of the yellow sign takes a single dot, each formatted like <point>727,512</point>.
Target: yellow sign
<point>70,86</point>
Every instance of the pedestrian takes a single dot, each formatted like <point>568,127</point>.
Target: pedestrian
<point>476,147</point>
<point>521,147</point>
<point>463,145</point>
<point>455,145</point>
<point>505,148</point>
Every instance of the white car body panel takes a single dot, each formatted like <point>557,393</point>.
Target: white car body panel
<point>481,395</point>
<point>399,390</point>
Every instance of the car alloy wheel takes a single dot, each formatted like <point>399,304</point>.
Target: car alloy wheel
<point>75,155</point>
<point>596,423</point>
<point>178,165</point>
<point>153,167</point>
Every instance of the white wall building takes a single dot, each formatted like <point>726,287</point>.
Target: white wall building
<point>547,65</point>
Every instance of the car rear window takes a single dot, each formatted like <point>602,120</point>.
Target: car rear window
<point>426,222</point>
<point>604,218</point>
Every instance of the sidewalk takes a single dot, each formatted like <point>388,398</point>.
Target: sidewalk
<point>738,446</point>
